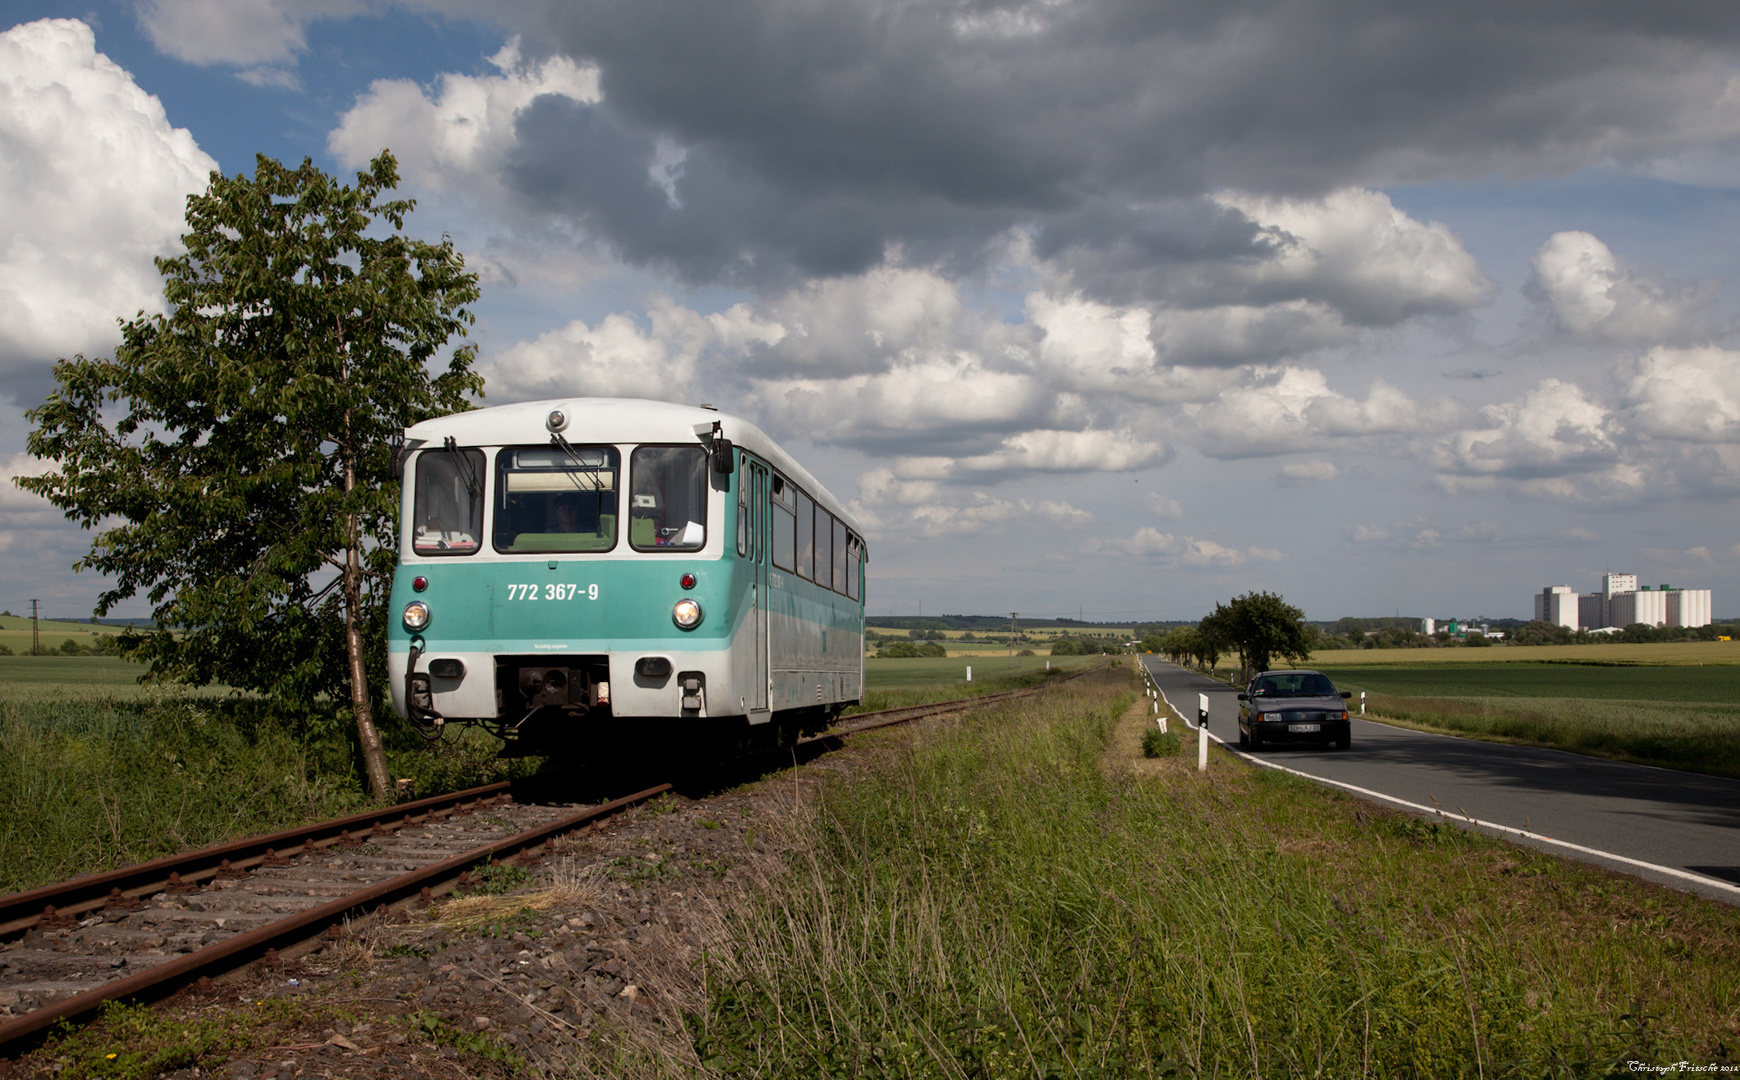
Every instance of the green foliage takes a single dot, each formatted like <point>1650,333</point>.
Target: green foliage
<point>244,482</point>
<point>1157,743</point>
<point>897,650</point>
<point>1260,626</point>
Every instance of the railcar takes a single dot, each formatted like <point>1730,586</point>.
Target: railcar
<point>576,573</point>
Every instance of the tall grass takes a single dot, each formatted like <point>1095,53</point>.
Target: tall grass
<point>92,781</point>
<point>998,900</point>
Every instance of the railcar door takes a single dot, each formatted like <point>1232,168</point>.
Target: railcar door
<point>756,477</point>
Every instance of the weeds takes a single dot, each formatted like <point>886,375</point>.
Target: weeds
<point>92,781</point>
<point>988,900</point>
<point>1157,743</point>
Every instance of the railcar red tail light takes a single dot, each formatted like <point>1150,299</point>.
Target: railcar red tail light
<point>688,581</point>
<point>419,583</point>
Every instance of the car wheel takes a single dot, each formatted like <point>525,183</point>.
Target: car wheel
<point>1256,740</point>
<point>1244,740</point>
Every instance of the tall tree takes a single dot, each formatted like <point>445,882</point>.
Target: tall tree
<point>1261,626</point>
<point>237,451</point>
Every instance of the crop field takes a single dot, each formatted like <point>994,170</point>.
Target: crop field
<point>1667,652</point>
<point>916,680</point>
<point>82,675</point>
<point>1714,685</point>
<point>1681,717</point>
<point>15,632</point>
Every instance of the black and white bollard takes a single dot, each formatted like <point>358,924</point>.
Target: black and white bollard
<point>1202,733</point>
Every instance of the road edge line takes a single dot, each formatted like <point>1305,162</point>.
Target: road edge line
<point>1509,830</point>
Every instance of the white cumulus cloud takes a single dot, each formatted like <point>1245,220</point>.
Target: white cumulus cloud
<point>1594,297</point>
<point>1687,394</point>
<point>93,185</point>
<point>457,138</point>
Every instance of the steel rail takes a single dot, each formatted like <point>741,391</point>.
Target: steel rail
<point>237,950</point>
<point>20,911</point>
<point>252,945</point>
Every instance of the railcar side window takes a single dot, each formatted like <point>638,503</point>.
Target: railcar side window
<point>824,547</point>
<point>447,514</point>
<point>743,509</point>
<point>668,498</point>
<point>553,500</point>
<point>839,557</point>
<point>854,560</point>
<point>784,524</point>
<point>806,536</point>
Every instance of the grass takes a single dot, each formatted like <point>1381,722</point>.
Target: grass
<point>22,676</point>
<point>1676,717</point>
<point>95,780</point>
<point>1007,896</point>
<point>890,684</point>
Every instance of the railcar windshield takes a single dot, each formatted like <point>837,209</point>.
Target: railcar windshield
<point>667,498</point>
<point>556,499</point>
<point>1304,684</point>
<point>447,511</point>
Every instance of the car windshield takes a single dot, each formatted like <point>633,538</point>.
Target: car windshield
<point>1299,684</point>
<point>556,498</point>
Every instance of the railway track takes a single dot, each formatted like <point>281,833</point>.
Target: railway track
<point>143,931</point>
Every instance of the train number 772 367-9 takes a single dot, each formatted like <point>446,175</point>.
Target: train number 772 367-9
<point>552,591</point>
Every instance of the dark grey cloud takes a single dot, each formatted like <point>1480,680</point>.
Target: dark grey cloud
<point>820,133</point>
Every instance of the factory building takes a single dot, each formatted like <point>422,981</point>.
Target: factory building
<point>1620,602</point>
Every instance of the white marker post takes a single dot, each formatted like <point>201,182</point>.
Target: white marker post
<point>1362,703</point>
<point>969,673</point>
<point>1202,733</point>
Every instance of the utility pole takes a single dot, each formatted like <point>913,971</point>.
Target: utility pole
<point>1012,634</point>
<point>35,633</point>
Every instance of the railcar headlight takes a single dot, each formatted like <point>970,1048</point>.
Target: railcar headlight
<point>687,613</point>
<point>416,615</point>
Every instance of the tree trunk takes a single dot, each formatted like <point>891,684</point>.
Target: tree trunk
<point>374,754</point>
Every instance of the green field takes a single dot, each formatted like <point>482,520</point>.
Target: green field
<point>1679,717</point>
<point>1714,685</point>
<point>15,632</point>
<point>108,675</point>
<point>1667,652</point>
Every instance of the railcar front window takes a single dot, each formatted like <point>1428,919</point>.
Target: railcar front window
<point>668,498</point>
<point>447,512</point>
<point>555,499</point>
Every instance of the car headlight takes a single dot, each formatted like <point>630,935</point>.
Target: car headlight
<point>687,613</point>
<point>416,615</point>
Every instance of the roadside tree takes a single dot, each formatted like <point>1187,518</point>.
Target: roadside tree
<point>1260,626</point>
<point>237,452</point>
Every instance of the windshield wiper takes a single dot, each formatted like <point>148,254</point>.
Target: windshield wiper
<point>566,447</point>
<point>473,485</point>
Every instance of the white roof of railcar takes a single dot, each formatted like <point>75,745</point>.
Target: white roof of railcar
<point>617,420</point>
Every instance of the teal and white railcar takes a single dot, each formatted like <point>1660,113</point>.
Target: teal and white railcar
<point>576,572</point>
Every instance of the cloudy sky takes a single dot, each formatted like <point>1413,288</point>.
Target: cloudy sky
<point>1115,307</point>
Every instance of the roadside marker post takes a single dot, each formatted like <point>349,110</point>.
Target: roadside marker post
<point>1362,703</point>
<point>1202,733</point>
<point>969,673</point>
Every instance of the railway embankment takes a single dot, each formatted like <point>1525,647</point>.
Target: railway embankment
<point>1007,890</point>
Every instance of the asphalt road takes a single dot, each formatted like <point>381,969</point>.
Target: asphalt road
<point>1677,828</point>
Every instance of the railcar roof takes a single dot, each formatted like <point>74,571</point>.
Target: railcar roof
<point>617,420</point>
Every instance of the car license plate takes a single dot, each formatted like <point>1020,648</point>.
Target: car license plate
<point>1304,727</point>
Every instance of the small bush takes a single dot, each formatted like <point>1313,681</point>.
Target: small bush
<point>1157,743</point>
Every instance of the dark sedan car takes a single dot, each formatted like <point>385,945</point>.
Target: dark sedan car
<point>1291,708</point>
